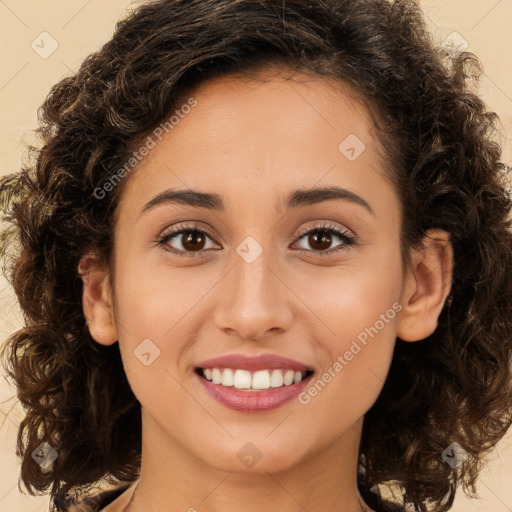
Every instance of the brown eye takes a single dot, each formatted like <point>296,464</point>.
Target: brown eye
<point>194,240</point>
<point>185,241</point>
<point>320,242</point>
<point>320,239</point>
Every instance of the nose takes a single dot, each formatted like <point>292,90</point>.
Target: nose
<point>255,298</point>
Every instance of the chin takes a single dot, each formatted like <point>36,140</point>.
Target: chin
<point>253,457</point>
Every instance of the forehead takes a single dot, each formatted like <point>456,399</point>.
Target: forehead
<point>260,133</point>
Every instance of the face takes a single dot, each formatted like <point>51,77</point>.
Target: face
<point>317,279</point>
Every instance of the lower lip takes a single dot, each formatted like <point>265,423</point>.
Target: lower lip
<point>253,401</point>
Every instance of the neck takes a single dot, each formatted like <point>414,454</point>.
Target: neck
<point>173,479</point>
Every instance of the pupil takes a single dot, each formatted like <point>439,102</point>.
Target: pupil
<point>192,238</point>
<point>324,240</point>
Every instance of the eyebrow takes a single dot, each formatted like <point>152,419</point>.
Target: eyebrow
<point>295,199</point>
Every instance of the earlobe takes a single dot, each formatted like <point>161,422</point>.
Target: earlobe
<point>426,287</point>
<point>97,300</point>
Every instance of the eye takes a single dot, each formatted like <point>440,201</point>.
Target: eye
<point>321,237</point>
<point>193,241</point>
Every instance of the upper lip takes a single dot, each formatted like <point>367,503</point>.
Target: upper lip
<point>254,363</point>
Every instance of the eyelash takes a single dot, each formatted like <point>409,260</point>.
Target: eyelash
<point>347,237</point>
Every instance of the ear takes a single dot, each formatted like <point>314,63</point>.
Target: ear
<point>97,300</point>
<point>426,287</point>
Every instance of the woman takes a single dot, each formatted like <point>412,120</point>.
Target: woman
<point>264,261</point>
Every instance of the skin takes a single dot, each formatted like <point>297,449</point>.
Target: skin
<point>254,142</point>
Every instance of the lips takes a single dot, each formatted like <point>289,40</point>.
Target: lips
<point>254,363</point>
<point>253,400</point>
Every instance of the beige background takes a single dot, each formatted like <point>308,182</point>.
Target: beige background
<point>79,27</point>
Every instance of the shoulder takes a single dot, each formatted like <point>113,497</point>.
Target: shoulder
<point>95,503</point>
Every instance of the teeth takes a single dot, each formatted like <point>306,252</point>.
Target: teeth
<point>260,380</point>
<point>227,377</point>
<point>288,377</point>
<point>276,379</point>
<point>216,376</point>
<point>242,379</point>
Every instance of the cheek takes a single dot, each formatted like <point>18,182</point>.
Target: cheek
<point>159,313</point>
<point>349,299</point>
<point>156,325</point>
<point>358,311</point>
<point>154,299</point>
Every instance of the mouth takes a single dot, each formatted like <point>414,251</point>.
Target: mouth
<point>257,391</point>
<point>251,384</point>
<point>257,381</point>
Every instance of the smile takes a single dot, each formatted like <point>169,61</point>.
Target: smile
<point>253,381</point>
<point>261,391</point>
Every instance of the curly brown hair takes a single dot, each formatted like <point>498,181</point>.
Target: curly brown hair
<point>443,157</point>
